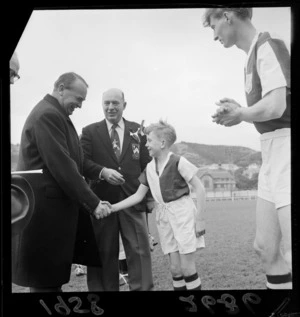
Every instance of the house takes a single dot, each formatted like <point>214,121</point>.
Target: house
<point>226,166</point>
<point>217,179</point>
<point>229,167</point>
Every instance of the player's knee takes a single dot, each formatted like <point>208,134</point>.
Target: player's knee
<point>175,270</point>
<point>188,268</point>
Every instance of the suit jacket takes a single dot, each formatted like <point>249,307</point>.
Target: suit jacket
<point>97,147</point>
<point>43,252</point>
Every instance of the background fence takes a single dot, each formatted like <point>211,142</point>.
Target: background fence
<point>230,195</point>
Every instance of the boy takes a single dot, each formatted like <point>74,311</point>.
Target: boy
<point>180,224</point>
<point>267,87</point>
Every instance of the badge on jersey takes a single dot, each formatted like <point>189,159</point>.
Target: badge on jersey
<point>248,83</point>
<point>135,151</point>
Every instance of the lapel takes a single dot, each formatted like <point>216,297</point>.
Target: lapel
<point>105,138</point>
<point>126,140</point>
<point>53,101</point>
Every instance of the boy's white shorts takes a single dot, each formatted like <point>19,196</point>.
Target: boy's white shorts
<point>274,181</point>
<point>176,226</point>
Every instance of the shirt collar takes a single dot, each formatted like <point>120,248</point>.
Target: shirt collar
<point>57,105</point>
<point>255,38</point>
<point>121,124</point>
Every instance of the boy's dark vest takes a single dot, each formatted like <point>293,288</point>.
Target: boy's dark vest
<point>253,83</point>
<point>173,186</point>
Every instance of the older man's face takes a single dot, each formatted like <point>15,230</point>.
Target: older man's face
<point>113,105</point>
<point>73,96</point>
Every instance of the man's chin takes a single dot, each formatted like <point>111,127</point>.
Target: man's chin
<point>112,119</point>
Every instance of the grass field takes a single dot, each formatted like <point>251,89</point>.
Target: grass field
<point>228,261</point>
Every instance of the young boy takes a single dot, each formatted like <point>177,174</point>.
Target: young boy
<point>268,95</point>
<point>180,223</point>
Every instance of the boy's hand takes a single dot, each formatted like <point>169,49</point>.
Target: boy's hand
<point>200,228</point>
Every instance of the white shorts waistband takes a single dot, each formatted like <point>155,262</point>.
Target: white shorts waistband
<point>275,134</point>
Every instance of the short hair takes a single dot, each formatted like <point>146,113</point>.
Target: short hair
<point>241,13</point>
<point>67,79</point>
<point>163,129</point>
<point>122,93</point>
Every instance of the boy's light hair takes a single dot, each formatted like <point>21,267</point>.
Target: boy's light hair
<point>164,130</point>
<point>241,13</point>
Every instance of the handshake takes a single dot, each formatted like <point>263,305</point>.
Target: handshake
<point>103,210</point>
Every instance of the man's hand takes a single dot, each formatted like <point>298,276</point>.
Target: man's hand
<point>228,114</point>
<point>112,176</point>
<point>102,210</point>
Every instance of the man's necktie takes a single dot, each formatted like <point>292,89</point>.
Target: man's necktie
<point>115,140</point>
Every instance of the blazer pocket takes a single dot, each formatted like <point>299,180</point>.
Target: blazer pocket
<point>55,193</point>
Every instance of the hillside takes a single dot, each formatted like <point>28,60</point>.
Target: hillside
<point>199,154</point>
<point>202,154</point>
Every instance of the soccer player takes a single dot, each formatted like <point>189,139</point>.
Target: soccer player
<point>268,95</point>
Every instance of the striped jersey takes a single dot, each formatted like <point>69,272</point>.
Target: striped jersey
<point>267,68</point>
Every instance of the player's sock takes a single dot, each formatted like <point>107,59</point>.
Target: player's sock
<point>193,282</point>
<point>179,283</point>
<point>123,266</point>
<point>279,281</point>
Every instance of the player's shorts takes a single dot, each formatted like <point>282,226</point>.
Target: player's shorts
<point>176,226</point>
<point>274,181</point>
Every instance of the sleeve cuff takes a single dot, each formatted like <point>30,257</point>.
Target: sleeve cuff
<point>100,174</point>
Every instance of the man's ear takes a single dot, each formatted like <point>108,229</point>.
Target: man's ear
<point>227,16</point>
<point>124,104</point>
<point>61,89</point>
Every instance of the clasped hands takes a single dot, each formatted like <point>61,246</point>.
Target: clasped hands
<point>228,113</point>
<point>103,210</point>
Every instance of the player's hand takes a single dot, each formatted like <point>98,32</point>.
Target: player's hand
<point>228,113</point>
<point>200,228</point>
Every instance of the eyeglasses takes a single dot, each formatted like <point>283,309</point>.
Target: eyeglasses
<point>13,76</point>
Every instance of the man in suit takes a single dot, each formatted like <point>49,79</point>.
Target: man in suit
<point>119,179</point>
<point>42,253</point>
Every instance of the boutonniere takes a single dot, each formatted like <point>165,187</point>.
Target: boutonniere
<point>139,132</point>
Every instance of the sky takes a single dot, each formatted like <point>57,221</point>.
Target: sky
<point>165,61</point>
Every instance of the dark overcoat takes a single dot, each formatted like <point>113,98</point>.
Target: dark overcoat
<point>43,252</point>
<point>131,222</point>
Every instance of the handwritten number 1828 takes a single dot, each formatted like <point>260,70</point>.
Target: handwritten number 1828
<point>63,309</point>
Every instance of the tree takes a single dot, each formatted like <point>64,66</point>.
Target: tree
<point>243,182</point>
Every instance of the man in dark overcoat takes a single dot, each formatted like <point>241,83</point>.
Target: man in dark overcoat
<point>122,168</point>
<point>42,254</point>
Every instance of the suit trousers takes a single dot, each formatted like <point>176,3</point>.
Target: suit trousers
<point>132,225</point>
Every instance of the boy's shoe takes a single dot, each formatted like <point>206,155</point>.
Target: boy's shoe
<point>152,242</point>
<point>79,270</point>
<point>123,279</point>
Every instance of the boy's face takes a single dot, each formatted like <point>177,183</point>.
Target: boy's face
<point>153,144</point>
<point>223,30</point>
